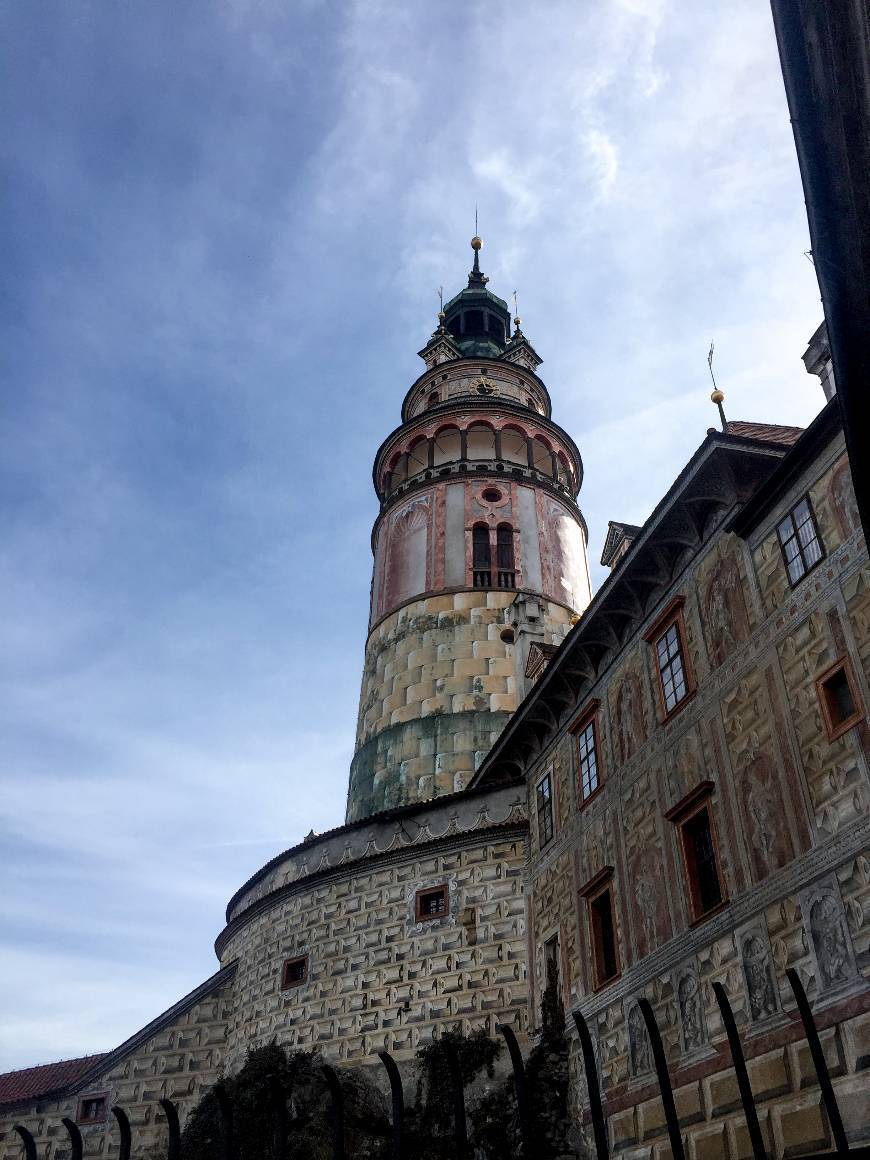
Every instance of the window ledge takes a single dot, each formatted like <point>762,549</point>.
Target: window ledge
<point>702,918</point>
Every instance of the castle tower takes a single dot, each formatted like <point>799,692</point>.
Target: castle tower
<point>479,552</point>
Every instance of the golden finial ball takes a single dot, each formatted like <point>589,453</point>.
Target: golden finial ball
<point>476,243</point>
<point>518,321</point>
<point>575,617</point>
<point>441,315</point>
<point>717,396</point>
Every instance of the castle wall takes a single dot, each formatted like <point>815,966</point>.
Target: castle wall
<point>439,684</point>
<point>378,977</point>
<point>791,813</point>
<point>179,1061</point>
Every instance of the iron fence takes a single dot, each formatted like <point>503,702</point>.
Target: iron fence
<point>277,1110</point>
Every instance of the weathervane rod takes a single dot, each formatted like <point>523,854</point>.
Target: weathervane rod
<point>716,395</point>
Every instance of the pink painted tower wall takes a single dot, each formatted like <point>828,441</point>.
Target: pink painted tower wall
<point>479,550</point>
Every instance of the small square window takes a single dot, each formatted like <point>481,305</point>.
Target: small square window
<point>431,903</point>
<point>800,542</point>
<point>92,1109</point>
<point>294,972</point>
<point>544,803</point>
<point>839,699</point>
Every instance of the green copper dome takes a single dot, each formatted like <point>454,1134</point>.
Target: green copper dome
<point>478,320</point>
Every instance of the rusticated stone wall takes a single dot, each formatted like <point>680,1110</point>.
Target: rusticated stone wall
<point>439,685</point>
<point>792,813</point>
<point>378,979</point>
<point>179,1061</point>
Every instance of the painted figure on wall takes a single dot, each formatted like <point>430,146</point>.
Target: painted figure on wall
<point>764,823</point>
<point>759,980</point>
<point>725,617</point>
<point>639,1050</point>
<point>691,1014</point>
<point>630,725</point>
<point>649,902</point>
<point>828,931</point>
<point>843,500</point>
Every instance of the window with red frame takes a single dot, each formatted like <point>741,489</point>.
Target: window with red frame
<point>602,927</point>
<point>668,639</point>
<point>800,542</point>
<point>92,1109</point>
<point>294,972</point>
<point>588,761</point>
<point>694,818</point>
<point>839,699</point>
<point>430,903</point>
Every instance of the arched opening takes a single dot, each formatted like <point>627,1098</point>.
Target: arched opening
<point>481,442</point>
<point>564,470</point>
<point>504,556</point>
<point>481,560</point>
<point>418,457</point>
<point>448,446</point>
<point>398,471</point>
<point>513,446</point>
<point>542,456</point>
<point>433,399</point>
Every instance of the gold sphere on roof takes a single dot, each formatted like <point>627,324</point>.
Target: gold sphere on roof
<point>476,243</point>
<point>717,396</point>
<point>441,315</point>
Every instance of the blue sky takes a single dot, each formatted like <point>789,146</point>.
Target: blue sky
<point>223,226</point>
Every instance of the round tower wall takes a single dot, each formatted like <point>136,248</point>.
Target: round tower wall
<point>439,684</point>
<point>424,544</point>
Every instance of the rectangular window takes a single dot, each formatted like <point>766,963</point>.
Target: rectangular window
<point>431,903</point>
<point>294,972</point>
<point>668,638</point>
<point>92,1109</point>
<point>588,752</point>
<point>800,542</point>
<point>839,699</point>
<point>694,818</point>
<point>671,669</point>
<point>598,893</point>
<point>544,802</point>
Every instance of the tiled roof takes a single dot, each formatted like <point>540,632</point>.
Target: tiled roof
<point>32,1082</point>
<point>765,432</point>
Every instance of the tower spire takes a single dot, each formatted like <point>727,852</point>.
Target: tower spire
<point>475,278</point>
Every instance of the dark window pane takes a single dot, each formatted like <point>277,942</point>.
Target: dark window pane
<point>603,936</point>
<point>544,801</point>
<point>701,856</point>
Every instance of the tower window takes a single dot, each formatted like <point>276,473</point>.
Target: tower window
<point>694,818</point>
<point>799,539</point>
<point>481,556</point>
<point>92,1109</point>
<point>431,903</point>
<point>433,399</point>
<point>839,699</point>
<point>495,327</point>
<point>473,321</point>
<point>454,326</point>
<point>505,556</point>
<point>668,638</point>
<point>294,972</point>
<point>544,805</point>
<point>602,926</point>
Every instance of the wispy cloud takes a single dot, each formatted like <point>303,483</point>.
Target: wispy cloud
<point>223,231</point>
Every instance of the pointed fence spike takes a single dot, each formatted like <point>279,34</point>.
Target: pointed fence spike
<point>743,1085</point>
<point>75,1137</point>
<point>27,1140</point>
<point>599,1124</point>
<point>829,1099</point>
<point>228,1146</point>
<point>520,1086</point>
<point>124,1128</point>
<point>667,1092</point>
<point>398,1097</point>
<point>337,1094</point>
<point>173,1150</point>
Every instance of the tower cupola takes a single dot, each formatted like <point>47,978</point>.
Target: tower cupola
<point>477,320</point>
